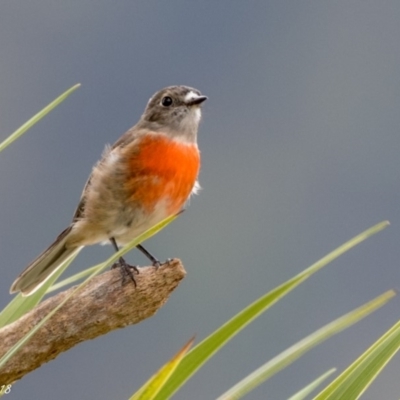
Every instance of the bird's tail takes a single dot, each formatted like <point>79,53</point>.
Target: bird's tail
<point>44,266</point>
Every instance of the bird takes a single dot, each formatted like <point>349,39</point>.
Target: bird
<point>148,174</point>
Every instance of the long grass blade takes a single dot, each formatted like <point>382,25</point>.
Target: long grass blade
<point>297,350</point>
<point>356,379</point>
<point>303,393</point>
<point>20,305</point>
<point>150,389</point>
<point>37,117</point>
<point>209,346</point>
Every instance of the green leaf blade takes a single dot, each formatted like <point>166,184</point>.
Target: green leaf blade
<point>297,350</point>
<point>356,379</point>
<point>152,387</point>
<point>37,117</point>
<point>209,346</point>
<point>303,393</point>
<point>20,305</point>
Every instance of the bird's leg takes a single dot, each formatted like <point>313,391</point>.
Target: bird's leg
<point>125,268</point>
<point>156,263</point>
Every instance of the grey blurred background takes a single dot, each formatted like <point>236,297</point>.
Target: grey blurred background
<point>300,151</point>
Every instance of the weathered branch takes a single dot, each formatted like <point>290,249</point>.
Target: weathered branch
<point>100,307</point>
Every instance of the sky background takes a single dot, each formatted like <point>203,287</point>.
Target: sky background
<point>300,144</point>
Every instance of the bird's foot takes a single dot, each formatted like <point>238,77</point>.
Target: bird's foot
<point>158,264</point>
<point>127,270</point>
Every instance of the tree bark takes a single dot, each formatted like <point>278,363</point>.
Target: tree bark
<point>102,305</point>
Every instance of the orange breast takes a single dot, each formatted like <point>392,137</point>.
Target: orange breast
<point>162,169</point>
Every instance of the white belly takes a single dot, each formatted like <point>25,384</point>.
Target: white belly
<point>123,234</point>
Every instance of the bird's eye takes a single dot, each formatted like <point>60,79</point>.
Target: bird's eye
<point>166,101</point>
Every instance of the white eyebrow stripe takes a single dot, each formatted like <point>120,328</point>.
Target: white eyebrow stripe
<point>191,95</point>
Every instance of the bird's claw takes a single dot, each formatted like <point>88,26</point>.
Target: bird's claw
<point>126,270</point>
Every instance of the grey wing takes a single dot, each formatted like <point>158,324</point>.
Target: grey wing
<point>127,138</point>
<point>81,205</point>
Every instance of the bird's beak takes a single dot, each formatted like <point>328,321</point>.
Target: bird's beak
<point>195,101</point>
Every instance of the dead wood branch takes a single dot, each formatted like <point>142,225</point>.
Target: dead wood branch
<point>100,307</point>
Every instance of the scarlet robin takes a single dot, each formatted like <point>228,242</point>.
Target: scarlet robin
<point>146,176</point>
